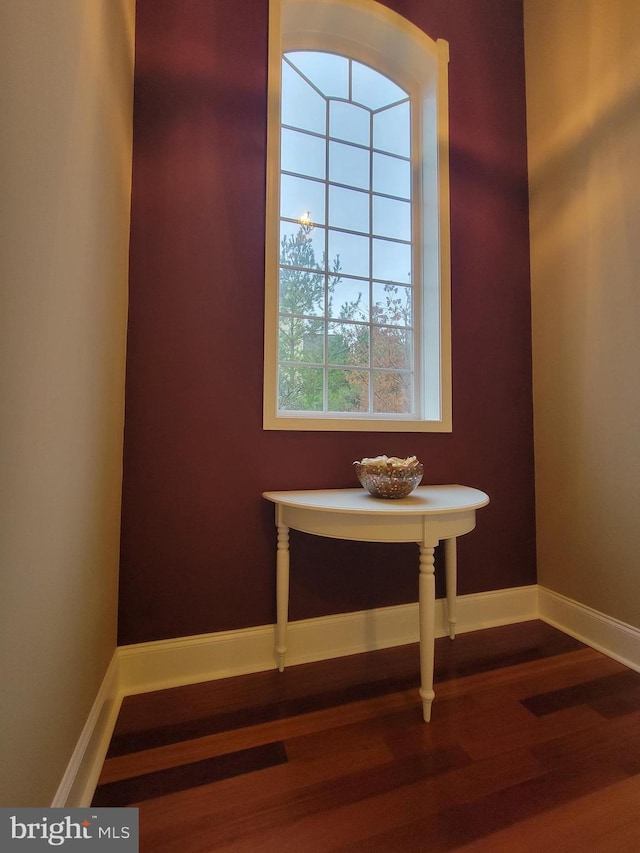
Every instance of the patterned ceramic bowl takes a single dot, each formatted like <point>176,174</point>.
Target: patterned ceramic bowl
<point>384,481</point>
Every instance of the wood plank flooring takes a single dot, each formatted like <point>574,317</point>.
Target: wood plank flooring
<point>534,745</point>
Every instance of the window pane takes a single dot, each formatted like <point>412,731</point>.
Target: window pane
<point>348,253</point>
<point>392,261</point>
<point>301,245</point>
<point>327,71</point>
<point>392,304</point>
<point>303,153</point>
<point>392,392</point>
<point>348,391</point>
<point>372,89</point>
<point>390,348</point>
<point>391,218</point>
<point>348,298</point>
<point>300,198</point>
<point>348,344</point>
<point>302,106</point>
<point>350,123</point>
<point>300,388</point>
<point>301,340</point>
<point>349,209</point>
<point>348,165</point>
<point>391,130</point>
<point>391,176</point>
<point>301,293</point>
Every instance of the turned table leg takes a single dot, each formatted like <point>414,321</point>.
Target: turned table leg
<point>282,593</point>
<point>450,557</point>
<point>427,598</point>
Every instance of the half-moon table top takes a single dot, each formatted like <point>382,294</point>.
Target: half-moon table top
<point>425,500</point>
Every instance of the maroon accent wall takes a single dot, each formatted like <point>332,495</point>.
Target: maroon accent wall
<point>198,541</point>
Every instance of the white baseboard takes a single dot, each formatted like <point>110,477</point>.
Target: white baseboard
<point>81,776</point>
<point>187,660</point>
<point>613,638</point>
<point>206,657</point>
<point>491,609</point>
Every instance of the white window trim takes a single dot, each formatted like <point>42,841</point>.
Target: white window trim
<point>396,47</point>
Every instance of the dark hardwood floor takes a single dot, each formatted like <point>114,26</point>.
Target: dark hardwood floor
<point>534,745</point>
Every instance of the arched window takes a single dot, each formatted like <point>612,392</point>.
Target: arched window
<point>357,259</point>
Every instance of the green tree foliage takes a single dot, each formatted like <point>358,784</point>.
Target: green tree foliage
<point>390,352</point>
<point>301,326</point>
<point>307,295</point>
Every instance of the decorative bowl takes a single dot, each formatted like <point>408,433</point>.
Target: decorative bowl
<point>388,480</point>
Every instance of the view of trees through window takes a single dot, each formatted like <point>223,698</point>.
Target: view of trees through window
<point>346,304</point>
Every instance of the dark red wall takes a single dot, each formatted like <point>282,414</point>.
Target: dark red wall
<point>198,541</point>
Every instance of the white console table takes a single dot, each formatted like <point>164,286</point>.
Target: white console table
<point>429,515</point>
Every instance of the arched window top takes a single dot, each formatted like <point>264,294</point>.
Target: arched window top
<point>345,79</point>
<point>342,99</point>
<point>365,30</point>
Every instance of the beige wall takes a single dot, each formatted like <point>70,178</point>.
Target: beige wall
<point>65,158</point>
<point>583,92</point>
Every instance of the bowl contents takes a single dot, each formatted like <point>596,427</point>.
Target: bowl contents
<point>389,476</point>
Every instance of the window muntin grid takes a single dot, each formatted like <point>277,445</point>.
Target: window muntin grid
<point>346,303</point>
